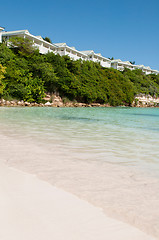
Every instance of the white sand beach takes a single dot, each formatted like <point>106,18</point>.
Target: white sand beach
<point>95,181</point>
<point>33,209</point>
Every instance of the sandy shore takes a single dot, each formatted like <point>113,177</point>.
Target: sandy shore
<point>33,209</point>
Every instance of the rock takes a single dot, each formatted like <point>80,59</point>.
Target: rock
<point>68,104</point>
<point>41,105</point>
<point>95,104</point>
<point>80,105</point>
<point>26,103</point>
<point>19,103</point>
<point>36,104</point>
<point>56,100</point>
<point>8,103</point>
<point>13,103</point>
<point>75,104</point>
<point>59,104</point>
<point>48,104</point>
<point>47,97</point>
<point>54,104</point>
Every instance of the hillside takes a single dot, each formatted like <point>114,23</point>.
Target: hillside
<point>27,75</point>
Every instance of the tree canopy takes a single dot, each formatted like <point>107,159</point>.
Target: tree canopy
<point>24,46</point>
<point>28,75</point>
<point>2,85</point>
<point>47,39</point>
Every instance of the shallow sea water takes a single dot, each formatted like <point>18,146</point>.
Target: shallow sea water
<point>129,136</point>
<point>107,156</point>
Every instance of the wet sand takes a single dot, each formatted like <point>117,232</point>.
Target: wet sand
<point>32,208</point>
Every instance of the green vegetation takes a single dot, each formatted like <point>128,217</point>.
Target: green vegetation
<point>47,39</point>
<point>27,75</point>
<point>2,72</point>
<point>132,62</point>
<point>147,84</point>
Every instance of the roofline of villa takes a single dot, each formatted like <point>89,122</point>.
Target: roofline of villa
<point>57,46</point>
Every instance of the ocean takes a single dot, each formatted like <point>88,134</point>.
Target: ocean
<point>106,156</point>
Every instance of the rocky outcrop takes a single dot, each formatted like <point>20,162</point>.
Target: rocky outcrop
<point>142,100</point>
<point>57,102</point>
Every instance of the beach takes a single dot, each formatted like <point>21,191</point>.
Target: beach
<point>65,190</point>
<point>33,209</point>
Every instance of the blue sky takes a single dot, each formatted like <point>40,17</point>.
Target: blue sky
<point>121,29</point>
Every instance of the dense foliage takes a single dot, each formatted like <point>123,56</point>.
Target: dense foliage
<point>47,39</point>
<point>27,75</point>
<point>2,71</point>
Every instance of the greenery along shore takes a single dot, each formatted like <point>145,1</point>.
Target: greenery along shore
<point>27,75</point>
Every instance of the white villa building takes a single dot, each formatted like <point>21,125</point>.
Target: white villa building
<point>97,57</point>
<point>42,45</point>
<point>64,50</point>
<point>58,48</point>
<point>1,31</point>
<point>121,65</point>
<point>147,70</point>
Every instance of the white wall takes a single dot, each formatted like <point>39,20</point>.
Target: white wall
<point>114,65</point>
<point>106,64</point>
<point>72,54</point>
<point>94,59</point>
<point>43,49</point>
<point>0,37</point>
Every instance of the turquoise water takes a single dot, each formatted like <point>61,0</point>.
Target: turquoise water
<point>106,156</point>
<point>128,136</point>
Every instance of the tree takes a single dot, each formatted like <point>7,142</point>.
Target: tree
<point>2,72</point>
<point>29,74</point>
<point>132,62</point>
<point>45,72</point>
<point>47,39</point>
<point>6,55</point>
<point>23,46</point>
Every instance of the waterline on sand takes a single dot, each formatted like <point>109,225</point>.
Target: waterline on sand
<point>112,165</point>
<point>42,212</point>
